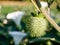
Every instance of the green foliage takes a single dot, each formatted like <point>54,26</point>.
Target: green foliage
<point>6,10</point>
<point>28,9</point>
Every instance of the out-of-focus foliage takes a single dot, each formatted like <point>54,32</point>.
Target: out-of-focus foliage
<point>8,9</point>
<point>14,0</point>
<point>11,26</point>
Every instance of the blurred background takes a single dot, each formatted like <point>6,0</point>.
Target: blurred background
<point>26,7</point>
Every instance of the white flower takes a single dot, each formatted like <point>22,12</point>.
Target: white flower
<point>15,16</point>
<point>44,4</point>
<point>17,36</point>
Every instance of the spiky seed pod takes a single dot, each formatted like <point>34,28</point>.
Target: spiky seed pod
<point>36,26</point>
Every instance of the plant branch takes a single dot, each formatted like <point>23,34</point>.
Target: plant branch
<point>50,20</point>
<point>35,5</point>
<point>48,17</point>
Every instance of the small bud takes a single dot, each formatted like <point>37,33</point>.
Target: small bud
<point>53,39</point>
<point>5,21</point>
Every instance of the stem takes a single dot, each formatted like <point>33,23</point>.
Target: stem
<point>48,17</point>
<point>49,4</point>
<point>50,20</point>
<point>38,3</point>
<point>35,5</point>
<point>49,11</point>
